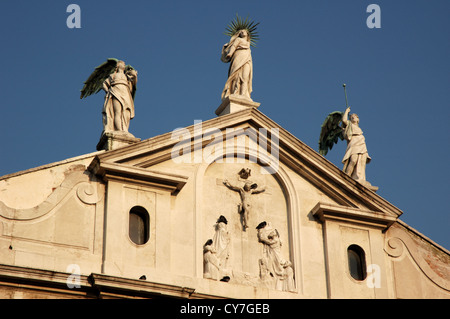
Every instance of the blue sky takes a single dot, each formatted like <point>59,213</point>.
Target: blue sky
<point>397,80</point>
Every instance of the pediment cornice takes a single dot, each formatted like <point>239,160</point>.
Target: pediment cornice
<point>332,181</point>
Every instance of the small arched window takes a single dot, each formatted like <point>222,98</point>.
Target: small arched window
<point>139,225</point>
<point>356,262</point>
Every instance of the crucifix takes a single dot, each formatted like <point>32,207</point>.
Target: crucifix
<point>245,192</point>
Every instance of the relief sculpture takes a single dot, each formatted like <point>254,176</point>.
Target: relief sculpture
<point>211,265</point>
<point>216,253</point>
<point>254,256</point>
<point>245,192</point>
<point>275,271</point>
<point>221,241</point>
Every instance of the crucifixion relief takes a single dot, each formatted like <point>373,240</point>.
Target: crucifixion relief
<point>245,192</point>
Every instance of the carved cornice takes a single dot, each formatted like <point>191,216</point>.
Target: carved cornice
<point>374,219</point>
<point>114,171</point>
<point>91,286</point>
<point>292,152</point>
<point>124,286</point>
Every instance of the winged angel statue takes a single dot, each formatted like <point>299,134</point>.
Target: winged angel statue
<point>119,82</point>
<point>339,126</point>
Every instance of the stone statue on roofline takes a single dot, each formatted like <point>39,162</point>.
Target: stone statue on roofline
<point>237,52</point>
<point>119,81</point>
<point>356,155</point>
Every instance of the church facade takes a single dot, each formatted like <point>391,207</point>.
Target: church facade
<point>233,207</point>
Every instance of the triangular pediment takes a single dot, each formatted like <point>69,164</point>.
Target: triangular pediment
<point>138,160</point>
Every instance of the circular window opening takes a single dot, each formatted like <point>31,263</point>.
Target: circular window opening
<point>139,225</point>
<point>356,262</point>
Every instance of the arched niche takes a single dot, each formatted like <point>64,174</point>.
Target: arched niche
<point>277,205</point>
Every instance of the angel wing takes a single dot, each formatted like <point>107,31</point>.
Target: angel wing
<point>95,81</point>
<point>330,132</point>
<point>131,72</point>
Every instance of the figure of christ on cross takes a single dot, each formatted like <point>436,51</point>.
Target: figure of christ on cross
<point>245,192</point>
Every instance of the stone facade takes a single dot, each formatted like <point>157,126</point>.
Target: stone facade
<point>65,227</point>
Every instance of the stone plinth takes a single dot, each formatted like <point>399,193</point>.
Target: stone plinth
<point>113,140</point>
<point>235,103</point>
<point>369,186</point>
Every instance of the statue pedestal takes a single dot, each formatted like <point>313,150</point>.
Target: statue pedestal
<point>369,186</point>
<point>235,103</point>
<point>113,140</point>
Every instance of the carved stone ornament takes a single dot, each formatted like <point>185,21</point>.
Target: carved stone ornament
<point>216,252</point>
<point>211,265</point>
<point>221,241</point>
<point>401,245</point>
<point>244,173</point>
<point>275,271</point>
<point>245,192</point>
<point>76,181</point>
<point>88,194</point>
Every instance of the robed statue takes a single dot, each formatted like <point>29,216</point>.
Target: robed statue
<point>276,272</point>
<point>237,52</point>
<point>119,81</point>
<point>343,125</point>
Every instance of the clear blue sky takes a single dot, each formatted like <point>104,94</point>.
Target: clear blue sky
<point>397,81</point>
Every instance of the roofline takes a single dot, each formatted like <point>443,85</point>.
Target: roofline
<point>291,147</point>
<point>45,166</point>
<point>416,232</point>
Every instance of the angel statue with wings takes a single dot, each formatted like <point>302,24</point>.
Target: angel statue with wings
<point>119,82</point>
<point>237,52</point>
<point>356,155</point>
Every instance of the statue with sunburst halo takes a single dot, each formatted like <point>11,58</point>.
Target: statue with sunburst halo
<point>237,52</point>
